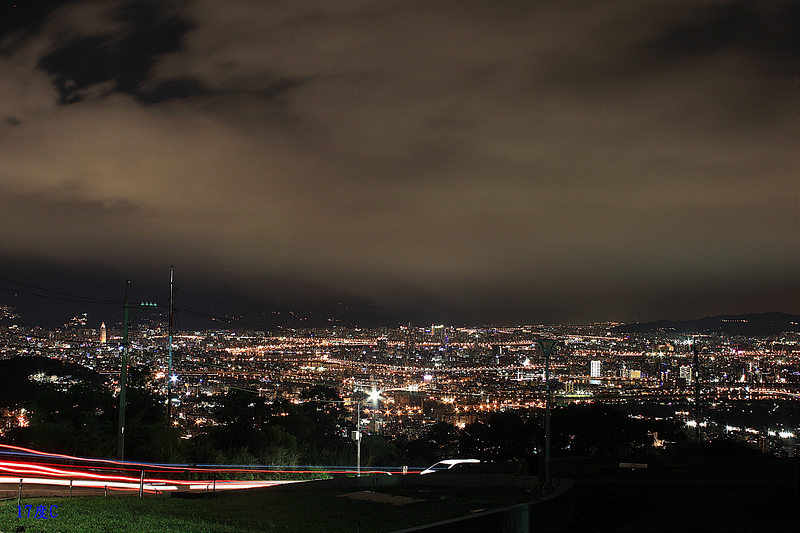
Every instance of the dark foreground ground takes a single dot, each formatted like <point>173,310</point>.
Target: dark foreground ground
<point>702,506</point>
<point>670,494</point>
<point>689,494</point>
<point>715,494</point>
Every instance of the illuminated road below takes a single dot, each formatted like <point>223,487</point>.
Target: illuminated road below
<point>34,473</point>
<point>43,486</point>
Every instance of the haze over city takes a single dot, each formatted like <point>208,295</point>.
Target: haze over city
<point>510,265</point>
<point>378,163</point>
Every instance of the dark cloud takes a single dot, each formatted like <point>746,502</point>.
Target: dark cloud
<point>765,29</point>
<point>492,161</point>
<point>171,89</point>
<point>24,19</point>
<point>124,57</point>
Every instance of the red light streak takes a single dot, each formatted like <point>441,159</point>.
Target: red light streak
<point>84,473</point>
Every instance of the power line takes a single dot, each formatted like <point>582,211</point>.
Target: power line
<point>61,295</point>
<point>78,299</point>
<point>69,297</point>
<point>210,316</point>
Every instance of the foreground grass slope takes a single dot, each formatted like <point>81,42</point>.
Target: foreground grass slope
<point>284,511</point>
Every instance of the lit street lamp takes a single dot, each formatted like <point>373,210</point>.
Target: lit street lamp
<point>374,396</point>
<point>696,370</point>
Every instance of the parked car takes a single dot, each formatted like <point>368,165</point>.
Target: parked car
<point>448,464</point>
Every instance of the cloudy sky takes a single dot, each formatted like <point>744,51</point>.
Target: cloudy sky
<point>377,161</point>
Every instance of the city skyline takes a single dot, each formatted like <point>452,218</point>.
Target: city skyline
<point>496,162</point>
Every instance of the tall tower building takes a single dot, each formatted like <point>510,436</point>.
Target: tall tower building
<point>103,333</point>
<point>411,342</point>
<point>594,369</point>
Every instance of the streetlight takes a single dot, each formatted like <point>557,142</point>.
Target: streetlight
<point>696,369</point>
<point>373,396</point>
<point>547,346</point>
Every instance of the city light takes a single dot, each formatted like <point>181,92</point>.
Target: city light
<point>481,372</point>
<point>373,396</point>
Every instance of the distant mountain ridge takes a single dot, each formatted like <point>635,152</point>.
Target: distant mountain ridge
<point>752,325</point>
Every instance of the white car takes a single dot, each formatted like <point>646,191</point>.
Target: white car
<point>447,464</point>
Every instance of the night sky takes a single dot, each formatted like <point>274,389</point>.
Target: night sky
<point>378,162</point>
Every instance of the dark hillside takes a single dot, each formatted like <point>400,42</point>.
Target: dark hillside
<point>751,325</point>
<point>17,387</point>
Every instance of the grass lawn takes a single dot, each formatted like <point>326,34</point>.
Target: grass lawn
<point>286,510</point>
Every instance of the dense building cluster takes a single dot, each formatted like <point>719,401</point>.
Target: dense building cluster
<point>742,387</point>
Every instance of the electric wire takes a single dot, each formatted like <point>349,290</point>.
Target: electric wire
<point>61,295</point>
<point>65,296</point>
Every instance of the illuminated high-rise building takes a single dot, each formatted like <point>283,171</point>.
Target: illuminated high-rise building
<point>103,333</point>
<point>411,341</point>
<point>594,369</point>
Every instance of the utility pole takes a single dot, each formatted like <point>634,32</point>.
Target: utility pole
<point>696,392</point>
<point>169,363</point>
<point>547,346</point>
<point>358,436</point>
<point>123,380</point>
